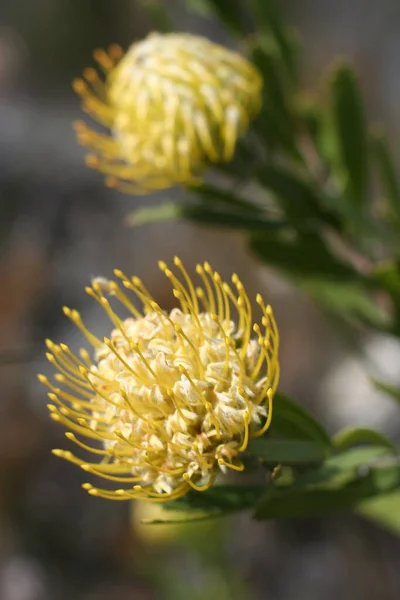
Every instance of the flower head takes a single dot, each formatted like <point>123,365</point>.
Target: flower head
<point>170,398</point>
<point>173,103</point>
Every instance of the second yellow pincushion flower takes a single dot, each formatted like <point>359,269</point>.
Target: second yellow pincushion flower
<point>172,398</point>
<point>173,104</point>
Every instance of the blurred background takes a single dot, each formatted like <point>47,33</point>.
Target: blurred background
<point>59,226</point>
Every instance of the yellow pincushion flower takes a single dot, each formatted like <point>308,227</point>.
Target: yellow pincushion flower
<point>173,104</point>
<point>170,398</point>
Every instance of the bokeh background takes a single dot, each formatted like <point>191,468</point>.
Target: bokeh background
<point>59,227</point>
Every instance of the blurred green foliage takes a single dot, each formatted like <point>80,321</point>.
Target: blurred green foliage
<point>308,209</point>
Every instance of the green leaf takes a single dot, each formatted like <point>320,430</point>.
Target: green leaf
<point>319,126</point>
<point>200,7</point>
<point>349,301</point>
<point>229,12</point>
<point>342,468</point>
<point>387,171</point>
<point>386,277</point>
<point>390,390</point>
<point>231,219</point>
<point>312,117</point>
<point>151,214</point>
<point>384,510</point>
<point>352,437</point>
<point>304,257</point>
<point>227,498</point>
<point>301,502</point>
<point>158,15</point>
<point>275,111</point>
<point>184,520</point>
<point>355,458</point>
<point>225,198</point>
<point>202,213</point>
<point>351,130</point>
<point>272,135</point>
<point>289,452</point>
<point>300,199</point>
<point>292,421</point>
<point>269,21</point>
<point>245,161</point>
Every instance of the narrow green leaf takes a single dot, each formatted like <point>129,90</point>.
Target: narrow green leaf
<point>390,390</point>
<point>355,458</point>
<point>229,12</point>
<point>384,510</point>
<point>319,126</point>
<point>292,421</point>
<point>299,198</point>
<point>158,15</point>
<point>387,171</point>
<point>355,436</point>
<point>289,452</point>
<point>245,161</point>
<point>269,21</point>
<point>231,219</point>
<point>386,277</point>
<point>275,97</point>
<point>151,214</point>
<point>303,257</point>
<point>200,7</point>
<point>312,117</point>
<point>273,137</point>
<point>351,130</point>
<point>227,498</point>
<point>203,213</point>
<point>301,502</point>
<point>226,198</point>
<point>193,518</point>
<point>349,301</point>
<point>340,469</point>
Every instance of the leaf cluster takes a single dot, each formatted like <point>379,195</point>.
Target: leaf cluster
<point>304,472</point>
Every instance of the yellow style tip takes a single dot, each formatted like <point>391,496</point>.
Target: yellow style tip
<point>58,452</point>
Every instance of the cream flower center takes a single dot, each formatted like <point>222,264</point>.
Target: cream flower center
<point>182,397</point>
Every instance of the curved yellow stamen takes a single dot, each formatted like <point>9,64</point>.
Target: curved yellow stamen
<point>269,416</point>
<point>198,488</point>
<point>167,391</point>
<point>209,293</point>
<point>239,467</point>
